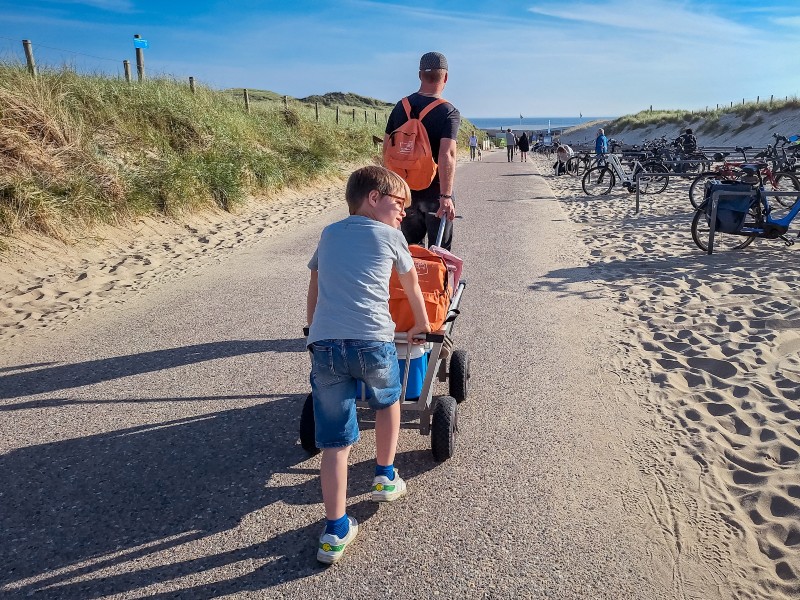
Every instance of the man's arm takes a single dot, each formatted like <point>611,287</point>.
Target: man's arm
<point>311,298</point>
<point>410,284</point>
<point>447,175</point>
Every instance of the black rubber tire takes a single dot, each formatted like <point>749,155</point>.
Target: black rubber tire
<point>459,375</point>
<point>697,187</point>
<point>785,182</point>
<point>307,433</point>
<point>655,184</point>
<point>723,241</point>
<point>598,181</point>
<point>444,427</point>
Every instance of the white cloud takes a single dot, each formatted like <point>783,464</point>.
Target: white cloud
<point>122,6</point>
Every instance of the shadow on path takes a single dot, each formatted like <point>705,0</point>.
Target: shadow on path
<point>75,507</point>
<point>66,376</point>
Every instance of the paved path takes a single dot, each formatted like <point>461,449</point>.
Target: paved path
<point>151,450</point>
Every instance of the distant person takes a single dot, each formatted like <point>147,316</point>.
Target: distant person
<point>441,124</point>
<point>687,142</point>
<point>351,337</point>
<point>524,146</point>
<point>473,146</point>
<point>511,144</point>
<point>601,146</point>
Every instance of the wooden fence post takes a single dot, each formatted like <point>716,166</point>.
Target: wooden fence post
<point>191,84</point>
<point>126,66</point>
<point>139,60</point>
<point>376,117</point>
<point>354,115</point>
<point>758,99</point>
<point>286,102</point>
<point>337,115</point>
<point>316,110</point>
<point>246,100</point>
<point>365,116</point>
<point>651,108</point>
<point>26,45</point>
<point>771,96</point>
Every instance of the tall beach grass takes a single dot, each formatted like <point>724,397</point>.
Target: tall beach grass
<point>78,150</point>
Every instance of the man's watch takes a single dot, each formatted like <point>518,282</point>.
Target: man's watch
<point>445,196</point>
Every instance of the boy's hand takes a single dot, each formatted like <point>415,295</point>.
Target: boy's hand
<point>416,330</point>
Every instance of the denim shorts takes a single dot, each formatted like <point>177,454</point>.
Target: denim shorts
<point>336,365</point>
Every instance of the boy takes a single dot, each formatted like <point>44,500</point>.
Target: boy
<point>352,337</point>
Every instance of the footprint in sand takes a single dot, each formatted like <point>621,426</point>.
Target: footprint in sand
<point>718,368</point>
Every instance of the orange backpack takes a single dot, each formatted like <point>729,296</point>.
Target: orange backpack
<point>408,152</point>
<point>435,286</point>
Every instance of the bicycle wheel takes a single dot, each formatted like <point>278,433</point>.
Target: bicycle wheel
<point>598,181</point>
<point>785,182</point>
<point>653,184</point>
<point>697,189</point>
<point>724,241</point>
<point>573,166</point>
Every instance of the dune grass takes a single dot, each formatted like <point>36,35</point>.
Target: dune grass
<point>709,119</point>
<point>79,150</point>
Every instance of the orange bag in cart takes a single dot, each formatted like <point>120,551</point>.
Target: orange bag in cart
<point>435,286</point>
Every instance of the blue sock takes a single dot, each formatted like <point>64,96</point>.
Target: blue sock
<point>338,527</point>
<point>385,471</point>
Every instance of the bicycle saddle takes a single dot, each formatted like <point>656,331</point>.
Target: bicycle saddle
<point>751,168</point>
<point>720,156</point>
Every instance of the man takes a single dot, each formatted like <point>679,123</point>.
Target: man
<point>473,146</point>
<point>511,144</point>
<point>441,123</point>
<point>687,141</point>
<point>601,146</point>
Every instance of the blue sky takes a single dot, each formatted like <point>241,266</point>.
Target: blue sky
<point>537,58</point>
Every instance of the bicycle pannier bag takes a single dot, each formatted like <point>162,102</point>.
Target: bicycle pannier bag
<point>731,210</point>
<point>408,152</point>
<point>436,291</point>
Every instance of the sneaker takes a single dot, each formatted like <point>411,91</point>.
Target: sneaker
<point>331,547</point>
<point>387,490</point>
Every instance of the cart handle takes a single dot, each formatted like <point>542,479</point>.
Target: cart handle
<point>436,338</point>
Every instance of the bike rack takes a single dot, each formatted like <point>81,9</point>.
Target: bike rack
<point>715,201</point>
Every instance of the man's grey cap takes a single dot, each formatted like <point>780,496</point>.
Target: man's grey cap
<point>431,61</point>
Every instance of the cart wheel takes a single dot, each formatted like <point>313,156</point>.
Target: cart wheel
<point>443,428</point>
<point>307,437</point>
<point>459,375</point>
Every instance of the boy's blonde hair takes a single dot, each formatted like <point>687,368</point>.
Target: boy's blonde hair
<point>374,177</point>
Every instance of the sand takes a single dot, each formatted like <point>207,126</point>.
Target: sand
<point>44,282</point>
<point>717,340</point>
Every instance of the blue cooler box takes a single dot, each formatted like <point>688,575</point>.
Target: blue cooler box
<point>416,376</point>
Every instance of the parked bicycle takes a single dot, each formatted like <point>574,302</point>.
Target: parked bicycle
<point>778,181</point>
<point>744,213</point>
<point>599,180</point>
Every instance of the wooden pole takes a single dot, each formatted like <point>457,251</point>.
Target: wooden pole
<point>365,116</point>
<point>376,117</point>
<point>286,102</point>
<point>316,110</point>
<point>337,115</point>
<point>139,60</point>
<point>771,96</point>
<point>354,115</point>
<point>191,84</point>
<point>246,100</point>
<point>126,66</point>
<point>26,45</point>
<point>758,99</point>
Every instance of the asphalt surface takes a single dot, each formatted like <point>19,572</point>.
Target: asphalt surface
<point>150,449</point>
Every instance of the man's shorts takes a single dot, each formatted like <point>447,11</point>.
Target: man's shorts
<point>336,365</point>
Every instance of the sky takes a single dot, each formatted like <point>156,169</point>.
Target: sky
<point>533,58</point>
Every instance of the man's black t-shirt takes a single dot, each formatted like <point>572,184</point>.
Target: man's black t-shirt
<point>442,122</point>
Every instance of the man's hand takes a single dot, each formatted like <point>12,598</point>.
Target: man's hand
<point>446,208</point>
<point>417,329</point>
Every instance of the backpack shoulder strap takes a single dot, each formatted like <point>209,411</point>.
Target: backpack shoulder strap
<point>430,107</point>
<point>407,107</point>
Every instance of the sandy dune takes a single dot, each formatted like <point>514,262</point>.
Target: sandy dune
<point>45,282</point>
<point>718,339</point>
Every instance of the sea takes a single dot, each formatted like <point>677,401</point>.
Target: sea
<point>530,122</point>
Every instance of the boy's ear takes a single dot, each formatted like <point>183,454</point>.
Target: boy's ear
<point>373,197</point>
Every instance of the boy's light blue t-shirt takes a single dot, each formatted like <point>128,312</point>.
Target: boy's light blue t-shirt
<point>354,260</point>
